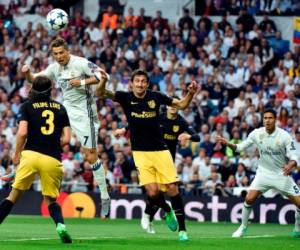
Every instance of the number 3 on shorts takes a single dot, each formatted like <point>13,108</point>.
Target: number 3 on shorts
<point>296,189</point>
<point>85,139</point>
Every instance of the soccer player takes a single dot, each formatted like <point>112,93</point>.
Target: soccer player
<point>43,129</point>
<point>276,162</point>
<point>174,128</point>
<point>150,153</point>
<point>76,75</point>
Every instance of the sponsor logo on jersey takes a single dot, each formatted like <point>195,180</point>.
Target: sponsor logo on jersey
<point>170,137</point>
<point>144,114</point>
<point>151,104</point>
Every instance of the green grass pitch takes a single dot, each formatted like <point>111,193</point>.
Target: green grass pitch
<point>35,232</point>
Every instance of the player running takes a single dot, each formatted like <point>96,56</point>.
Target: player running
<point>150,153</point>
<point>43,129</point>
<point>76,75</point>
<point>174,128</point>
<point>277,160</point>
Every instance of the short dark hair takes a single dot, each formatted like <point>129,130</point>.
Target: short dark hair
<point>59,42</point>
<point>139,72</point>
<point>270,110</point>
<point>41,88</point>
<point>175,97</point>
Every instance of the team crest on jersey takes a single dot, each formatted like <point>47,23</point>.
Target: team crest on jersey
<point>151,104</point>
<point>175,128</point>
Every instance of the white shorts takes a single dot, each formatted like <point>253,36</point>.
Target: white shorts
<point>86,130</point>
<point>283,184</point>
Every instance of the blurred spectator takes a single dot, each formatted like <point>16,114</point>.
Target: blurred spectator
<point>109,19</point>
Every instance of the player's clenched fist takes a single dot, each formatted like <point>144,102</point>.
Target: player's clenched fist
<point>221,140</point>
<point>192,88</point>
<point>25,69</point>
<point>119,132</point>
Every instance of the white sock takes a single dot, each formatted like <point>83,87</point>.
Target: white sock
<point>246,213</point>
<point>99,175</point>
<point>297,220</point>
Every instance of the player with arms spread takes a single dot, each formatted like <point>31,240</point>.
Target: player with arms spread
<point>277,160</point>
<point>75,75</point>
<point>174,128</point>
<point>43,129</point>
<point>150,153</point>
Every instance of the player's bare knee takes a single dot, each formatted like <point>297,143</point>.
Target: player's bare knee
<point>15,195</point>
<point>91,155</point>
<point>152,190</point>
<point>250,200</point>
<point>49,200</point>
<point>153,193</point>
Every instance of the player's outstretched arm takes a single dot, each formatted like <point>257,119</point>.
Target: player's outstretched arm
<point>186,137</point>
<point>119,132</point>
<point>100,90</point>
<point>109,94</point>
<point>99,76</point>
<point>185,101</point>
<point>26,71</point>
<point>223,141</point>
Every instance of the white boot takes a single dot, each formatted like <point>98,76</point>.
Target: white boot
<point>150,229</point>
<point>240,232</point>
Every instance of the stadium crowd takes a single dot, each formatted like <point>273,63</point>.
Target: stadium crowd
<point>242,69</point>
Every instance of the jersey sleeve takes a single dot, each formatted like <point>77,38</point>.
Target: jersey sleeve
<point>246,143</point>
<point>164,99</point>
<point>23,113</point>
<point>90,69</point>
<point>290,149</point>
<point>48,72</point>
<point>120,97</point>
<point>65,118</point>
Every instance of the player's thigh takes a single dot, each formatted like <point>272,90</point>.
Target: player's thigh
<point>164,166</point>
<point>51,173</point>
<point>287,186</point>
<point>145,169</point>
<point>86,130</point>
<point>260,183</point>
<point>26,170</point>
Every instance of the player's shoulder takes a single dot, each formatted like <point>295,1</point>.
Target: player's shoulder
<point>154,92</point>
<point>282,132</point>
<point>123,93</point>
<point>53,66</point>
<point>58,104</point>
<point>260,132</point>
<point>26,103</point>
<point>79,60</point>
<point>180,118</point>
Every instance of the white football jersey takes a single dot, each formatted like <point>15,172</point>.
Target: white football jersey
<point>275,149</point>
<point>78,101</point>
